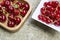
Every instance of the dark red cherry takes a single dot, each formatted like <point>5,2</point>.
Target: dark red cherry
<point>10,8</point>
<point>50,8</point>
<point>57,23</point>
<point>16,12</point>
<point>2,18</point>
<point>48,20</point>
<point>45,4</point>
<point>7,3</point>
<point>26,6</point>
<point>23,13</point>
<point>40,17</point>
<point>11,24</point>
<point>11,17</point>
<point>55,4</point>
<point>43,10</point>
<point>20,4</point>
<point>17,20</point>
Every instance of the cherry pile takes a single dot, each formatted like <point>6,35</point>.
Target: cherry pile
<point>11,10</point>
<point>50,13</point>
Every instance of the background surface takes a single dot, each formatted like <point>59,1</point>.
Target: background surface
<point>31,30</point>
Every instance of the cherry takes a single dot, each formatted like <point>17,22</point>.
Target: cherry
<point>7,3</point>
<point>55,3</point>
<point>40,17</point>
<point>45,4</point>
<point>47,13</point>
<point>44,19</point>
<point>57,16</point>
<point>17,20</point>
<point>50,8</point>
<point>48,20</point>
<point>26,6</point>
<point>2,18</point>
<point>20,4</point>
<point>43,10</point>
<point>23,13</point>
<point>10,8</point>
<point>57,23</point>
<point>11,24</point>
<point>11,17</point>
<point>16,12</point>
<point>58,8</point>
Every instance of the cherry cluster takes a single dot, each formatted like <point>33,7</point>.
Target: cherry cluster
<point>50,13</point>
<point>14,9</point>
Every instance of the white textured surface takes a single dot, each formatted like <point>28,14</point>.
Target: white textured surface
<point>31,30</point>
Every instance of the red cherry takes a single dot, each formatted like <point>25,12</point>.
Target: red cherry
<point>58,8</point>
<point>48,20</point>
<point>57,23</point>
<point>11,24</point>
<point>55,3</point>
<point>26,6</point>
<point>50,8</point>
<point>11,17</point>
<point>57,16</point>
<point>44,19</point>
<point>45,4</point>
<point>10,8</point>
<point>17,20</point>
<point>2,18</point>
<point>23,13</point>
<point>20,4</point>
<point>16,12</point>
<point>7,3</point>
<point>47,13</point>
<point>43,10</point>
<point>40,17</point>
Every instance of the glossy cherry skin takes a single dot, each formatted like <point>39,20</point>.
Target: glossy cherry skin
<point>10,8</point>
<point>57,16</point>
<point>17,20</point>
<point>57,23</point>
<point>26,6</point>
<point>7,3</point>
<point>23,13</point>
<point>55,4</point>
<point>11,17</point>
<point>43,10</point>
<point>11,24</point>
<point>20,4</point>
<point>16,12</point>
<point>50,8</point>
<point>2,18</point>
<point>40,17</point>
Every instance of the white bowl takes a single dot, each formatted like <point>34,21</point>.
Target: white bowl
<point>37,12</point>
